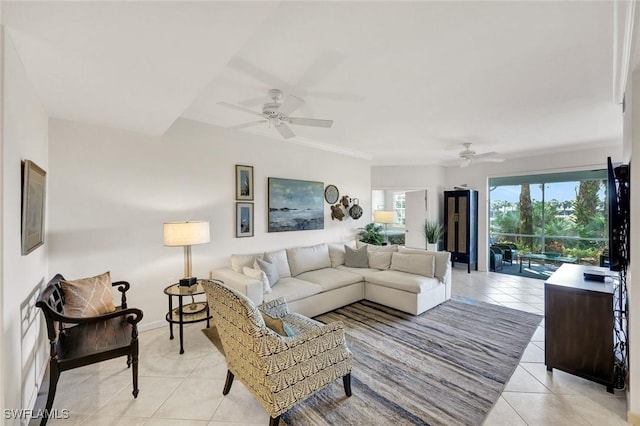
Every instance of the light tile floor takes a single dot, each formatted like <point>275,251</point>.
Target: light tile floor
<point>186,390</point>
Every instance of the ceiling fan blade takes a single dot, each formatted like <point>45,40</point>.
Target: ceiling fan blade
<point>252,123</point>
<point>285,131</point>
<point>300,121</point>
<point>258,100</point>
<point>490,159</point>
<point>485,155</point>
<point>239,108</point>
<point>290,104</point>
<point>256,72</point>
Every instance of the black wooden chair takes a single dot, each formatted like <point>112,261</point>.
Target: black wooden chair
<point>496,258</point>
<point>79,341</point>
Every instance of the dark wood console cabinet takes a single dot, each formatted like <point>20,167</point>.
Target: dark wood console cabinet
<point>579,325</point>
<point>461,227</point>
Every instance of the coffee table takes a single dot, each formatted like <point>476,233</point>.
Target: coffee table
<point>545,258</point>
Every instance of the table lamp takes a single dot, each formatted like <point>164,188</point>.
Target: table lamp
<point>186,234</point>
<point>385,217</point>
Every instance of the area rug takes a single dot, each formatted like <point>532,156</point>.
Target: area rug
<point>447,366</point>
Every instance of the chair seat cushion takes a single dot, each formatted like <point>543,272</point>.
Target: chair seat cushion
<point>403,281</point>
<point>330,278</point>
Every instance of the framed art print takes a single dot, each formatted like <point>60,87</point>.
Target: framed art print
<point>33,201</point>
<point>244,183</point>
<point>244,220</point>
<point>295,205</point>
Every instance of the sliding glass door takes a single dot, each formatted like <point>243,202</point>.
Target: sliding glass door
<point>562,213</point>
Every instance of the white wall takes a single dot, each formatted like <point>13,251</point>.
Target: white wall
<point>24,135</point>
<point>631,145</point>
<point>111,190</point>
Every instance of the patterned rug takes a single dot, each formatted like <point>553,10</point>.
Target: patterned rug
<point>447,366</point>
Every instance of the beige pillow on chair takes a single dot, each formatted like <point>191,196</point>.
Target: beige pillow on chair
<point>88,297</point>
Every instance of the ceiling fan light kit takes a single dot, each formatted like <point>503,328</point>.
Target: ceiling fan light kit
<point>277,114</point>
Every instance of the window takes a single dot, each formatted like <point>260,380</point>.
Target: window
<point>399,207</point>
<point>560,212</point>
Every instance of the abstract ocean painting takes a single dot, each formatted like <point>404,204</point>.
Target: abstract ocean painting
<point>295,205</point>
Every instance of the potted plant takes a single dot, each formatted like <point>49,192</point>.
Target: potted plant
<point>371,234</point>
<point>433,232</point>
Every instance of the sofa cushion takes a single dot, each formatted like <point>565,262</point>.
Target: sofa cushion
<point>403,281</point>
<point>356,258</point>
<point>363,272</point>
<point>330,278</point>
<point>238,261</point>
<point>270,270</point>
<point>279,258</point>
<point>442,259</point>
<point>371,247</point>
<point>336,252</point>
<point>293,289</point>
<point>379,259</point>
<point>310,258</point>
<point>258,274</point>
<point>421,264</point>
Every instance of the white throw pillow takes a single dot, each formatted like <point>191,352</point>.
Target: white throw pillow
<point>442,259</point>
<point>379,259</point>
<point>420,264</point>
<point>279,258</point>
<point>311,258</point>
<point>239,261</point>
<point>258,274</point>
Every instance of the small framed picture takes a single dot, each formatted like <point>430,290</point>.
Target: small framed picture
<point>244,182</point>
<point>33,201</point>
<point>244,220</point>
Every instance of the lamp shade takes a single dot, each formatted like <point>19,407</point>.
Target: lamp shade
<point>186,233</point>
<point>384,216</point>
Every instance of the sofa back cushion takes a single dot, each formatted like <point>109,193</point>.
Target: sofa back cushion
<point>379,259</point>
<point>356,258</point>
<point>419,264</point>
<point>310,258</point>
<point>239,261</point>
<point>336,252</point>
<point>442,259</point>
<point>371,247</point>
<point>279,258</point>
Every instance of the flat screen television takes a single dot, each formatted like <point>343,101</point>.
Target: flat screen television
<point>618,194</point>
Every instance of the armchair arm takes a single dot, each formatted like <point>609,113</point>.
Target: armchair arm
<point>304,347</point>
<point>123,286</point>
<point>133,316</point>
<point>276,308</point>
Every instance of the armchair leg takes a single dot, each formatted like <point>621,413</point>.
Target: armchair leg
<point>134,372</point>
<point>228,383</point>
<point>346,380</point>
<point>274,421</point>
<point>54,375</point>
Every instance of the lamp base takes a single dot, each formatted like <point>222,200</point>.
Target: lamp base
<point>188,282</point>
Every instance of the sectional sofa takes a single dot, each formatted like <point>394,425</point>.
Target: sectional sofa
<point>319,278</point>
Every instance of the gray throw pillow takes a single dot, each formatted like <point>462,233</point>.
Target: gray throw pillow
<point>356,258</point>
<point>270,270</point>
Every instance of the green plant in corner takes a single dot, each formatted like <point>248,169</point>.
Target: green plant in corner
<point>433,231</point>
<point>371,234</point>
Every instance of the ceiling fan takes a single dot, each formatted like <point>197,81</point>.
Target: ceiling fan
<point>468,155</point>
<point>277,114</point>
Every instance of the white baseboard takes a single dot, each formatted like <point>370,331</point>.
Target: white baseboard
<point>152,325</point>
<point>633,418</point>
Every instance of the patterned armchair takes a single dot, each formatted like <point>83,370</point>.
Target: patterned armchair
<point>280,371</point>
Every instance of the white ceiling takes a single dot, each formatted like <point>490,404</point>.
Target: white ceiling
<point>405,83</point>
